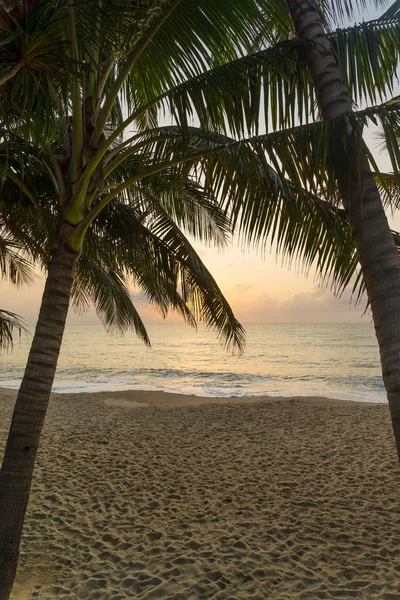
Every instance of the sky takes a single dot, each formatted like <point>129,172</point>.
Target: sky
<point>259,289</point>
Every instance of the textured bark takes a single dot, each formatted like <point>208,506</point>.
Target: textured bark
<point>30,412</point>
<point>377,252</point>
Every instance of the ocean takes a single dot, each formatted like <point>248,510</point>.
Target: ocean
<point>333,360</point>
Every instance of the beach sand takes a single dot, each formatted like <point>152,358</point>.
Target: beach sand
<point>149,496</point>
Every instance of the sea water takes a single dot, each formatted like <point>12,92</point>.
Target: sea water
<point>333,360</point>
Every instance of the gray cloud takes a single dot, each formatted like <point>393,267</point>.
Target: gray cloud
<point>320,299</point>
<point>317,305</point>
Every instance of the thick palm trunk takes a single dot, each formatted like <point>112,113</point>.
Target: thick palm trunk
<point>374,242</point>
<point>30,412</point>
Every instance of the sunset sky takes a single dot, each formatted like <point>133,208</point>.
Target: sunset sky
<point>259,290</point>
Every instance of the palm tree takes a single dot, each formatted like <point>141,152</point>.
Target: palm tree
<point>81,95</point>
<point>316,138</point>
<point>350,167</point>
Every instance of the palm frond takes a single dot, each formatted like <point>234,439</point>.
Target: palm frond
<point>259,201</point>
<point>389,189</point>
<point>337,11</point>
<point>105,289</point>
<point>368,56</point>
<point>33,50</point>
<point>300,154</point>
<point>14,266</point>
<point>191,207</point>
<point>9,322</point>
<point>154,252</point>
<point>271,85</point>
<point>392,13</point>
<point>196,37</point>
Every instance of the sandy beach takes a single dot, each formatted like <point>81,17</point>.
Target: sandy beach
<point>152,496</point>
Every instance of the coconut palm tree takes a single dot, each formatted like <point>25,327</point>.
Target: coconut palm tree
<point>316,126</point>
<point>350,166</point>
<point>83,89</point>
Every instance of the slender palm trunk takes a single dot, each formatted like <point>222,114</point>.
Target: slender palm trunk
<point>30,412</point>
<point>377,252</point>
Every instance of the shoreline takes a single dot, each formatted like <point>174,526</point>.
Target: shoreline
<point>161,399</point>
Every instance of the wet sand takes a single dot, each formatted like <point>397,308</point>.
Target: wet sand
<point>152,496</point>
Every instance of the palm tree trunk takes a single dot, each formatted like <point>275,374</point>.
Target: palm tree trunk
<point>377,252</point>
<point>30,412</point>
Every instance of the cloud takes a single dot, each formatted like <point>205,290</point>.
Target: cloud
<point>317,305</point>
<point>319,299</point>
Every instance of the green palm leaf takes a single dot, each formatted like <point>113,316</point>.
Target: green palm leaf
<point>152,250</point>
<point>9,322</point>
<point>14,265</point>
<point>95,284</point>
